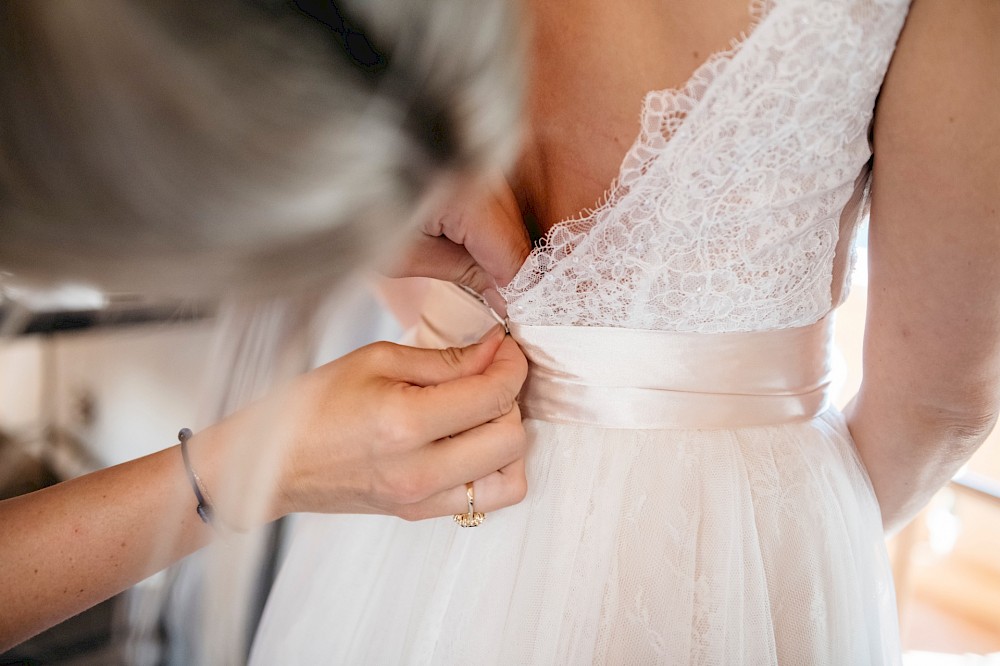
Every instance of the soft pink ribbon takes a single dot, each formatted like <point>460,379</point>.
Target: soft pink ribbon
<point>641,379</point>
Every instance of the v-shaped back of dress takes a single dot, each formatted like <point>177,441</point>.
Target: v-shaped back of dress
<point>735,208</point>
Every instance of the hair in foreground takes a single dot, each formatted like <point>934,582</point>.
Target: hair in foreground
<point>198,148</point>
<point>201,149</point>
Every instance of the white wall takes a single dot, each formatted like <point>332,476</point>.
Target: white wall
<point>20,384</point>
<point>143,382</point>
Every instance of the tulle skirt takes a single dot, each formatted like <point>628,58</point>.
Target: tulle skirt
<point>756,545</point>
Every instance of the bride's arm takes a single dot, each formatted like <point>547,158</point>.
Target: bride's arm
<point>931,383</point>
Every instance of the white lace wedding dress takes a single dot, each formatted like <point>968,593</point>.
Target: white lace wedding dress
<point>693,497</point>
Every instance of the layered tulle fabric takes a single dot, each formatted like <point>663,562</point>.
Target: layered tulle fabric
<point>761,545</point>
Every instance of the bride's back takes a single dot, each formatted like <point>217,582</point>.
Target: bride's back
<point>591,64</point>
<point>734,208</point>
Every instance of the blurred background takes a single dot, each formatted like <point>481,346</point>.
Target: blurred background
<point>89,381</point>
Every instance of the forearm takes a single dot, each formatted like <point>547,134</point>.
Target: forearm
<point>70,546</point>
<point>911,452</point>
<point>330,442</point>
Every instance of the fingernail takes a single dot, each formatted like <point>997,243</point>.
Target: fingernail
<point>495,332</point>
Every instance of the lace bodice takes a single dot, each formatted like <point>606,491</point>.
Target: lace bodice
<point>728,213</point>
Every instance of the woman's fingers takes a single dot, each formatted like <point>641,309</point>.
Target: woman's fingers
<point>475,453</point>
<point>494,235</point>
<point>375,432</point>
<point>462,429</point>
<point>429,367</point>
<point>453,407</point>
<point>443,259</point>
<point>413,477</point>
<point>499,489</point>
<point>510,361</point>
<point>478,240</point>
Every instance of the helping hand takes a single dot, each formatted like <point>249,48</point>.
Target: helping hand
<point>398,430</point>
<point>478,240</point>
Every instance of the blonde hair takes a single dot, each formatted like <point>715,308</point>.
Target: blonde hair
<point>199,148</point>
<point>210,148</point>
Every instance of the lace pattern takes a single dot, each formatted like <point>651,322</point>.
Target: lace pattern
<point>725,215</point>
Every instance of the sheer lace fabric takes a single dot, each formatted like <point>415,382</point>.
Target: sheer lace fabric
<point>725,215</point>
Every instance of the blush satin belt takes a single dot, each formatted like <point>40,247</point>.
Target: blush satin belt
<point>640,379</point>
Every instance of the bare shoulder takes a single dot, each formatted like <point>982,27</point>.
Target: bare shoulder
<point>936,182</point>
<point>939,110</point>
<point>933,329</point>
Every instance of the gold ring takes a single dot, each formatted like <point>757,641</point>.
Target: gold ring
<point>473,518</point>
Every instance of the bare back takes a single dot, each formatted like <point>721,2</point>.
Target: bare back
<point>591,65</point>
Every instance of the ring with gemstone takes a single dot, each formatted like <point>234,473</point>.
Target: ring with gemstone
<point>473,518</point>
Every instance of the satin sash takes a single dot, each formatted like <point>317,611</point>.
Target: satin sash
<point>626,378</point>
<point>640,379</point>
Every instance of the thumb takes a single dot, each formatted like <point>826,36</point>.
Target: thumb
<point>429,367</point>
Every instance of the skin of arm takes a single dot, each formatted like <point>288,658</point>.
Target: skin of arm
<point>386,429</point>
<point>931,385</point>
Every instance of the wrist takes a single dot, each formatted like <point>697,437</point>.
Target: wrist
<point>281,502</point>
<point>234,484</point>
